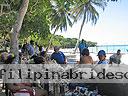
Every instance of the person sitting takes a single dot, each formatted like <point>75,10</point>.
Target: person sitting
<point>102,57</point>
<point>3,55</point>
<point>10,58</point>
<point>26,88</point>
<point>30,48</point>
<point>36,48</point>
<point>116,57</point>
<point>58,56</point>
<point>102,60</point>
<point>85,58</point>
<point>24,47</point>
<point>6,57</point>
<point>41,51</point>
<point>20,88</point>
<point>38,60</point>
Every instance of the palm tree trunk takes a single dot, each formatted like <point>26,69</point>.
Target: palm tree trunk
<point>14,34</point>
<point>80,31</point>
<point>50,41</point>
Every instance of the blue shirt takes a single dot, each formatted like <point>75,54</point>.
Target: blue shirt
<point>82,46</point>
<point>103,62</point>
<point>59,57</point>
<point>30,49</point>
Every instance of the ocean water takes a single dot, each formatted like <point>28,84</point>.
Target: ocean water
<point>110,48</point>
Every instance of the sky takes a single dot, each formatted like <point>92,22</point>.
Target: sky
<point>111,27</point>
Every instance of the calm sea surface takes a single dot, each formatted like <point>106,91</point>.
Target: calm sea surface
<point>110,48</point>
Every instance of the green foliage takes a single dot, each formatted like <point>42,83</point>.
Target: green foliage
<point>14,4</point>
<point>8,17</point>
<point>43,14</point>
<point>35,22</point>
<point>91,44</point>
<point>88,8</point>
<point>35,25</point>
<point>69,42</point>
<point>64,42</point>
<point>58,14</point>
<point>6,23</point>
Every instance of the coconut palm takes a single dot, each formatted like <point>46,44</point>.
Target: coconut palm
<point>59,17</point>
<point>86,9</point>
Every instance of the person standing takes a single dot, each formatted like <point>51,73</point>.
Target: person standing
<point>81,46</point>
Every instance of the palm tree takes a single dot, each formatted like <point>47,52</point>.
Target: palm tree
<point>59,17</point>
<point>87,10</point>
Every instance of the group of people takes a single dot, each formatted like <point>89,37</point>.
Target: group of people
<point>87,59</point>
<point>31,51</point>
<point>27,51</point>
<point>32,48</point>
<point>37,53</point>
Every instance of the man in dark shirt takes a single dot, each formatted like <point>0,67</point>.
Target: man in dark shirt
<point>58,56</point>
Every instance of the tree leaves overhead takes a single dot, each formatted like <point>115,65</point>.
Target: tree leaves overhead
<point>14,4</point>
<point>43,14</point>
<point>6,22</point>
<point>36,24</point>
<point>59,16</point>
<point>90,7</point>
<point>35,20</point>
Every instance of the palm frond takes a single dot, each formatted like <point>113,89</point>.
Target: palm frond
<point>69,21</point>
<point>99,3</point>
